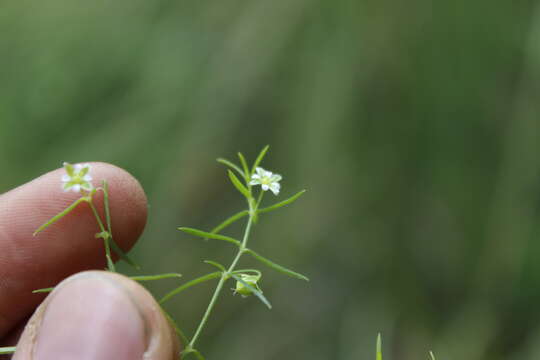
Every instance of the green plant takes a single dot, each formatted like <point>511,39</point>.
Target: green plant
<point>78,179</point>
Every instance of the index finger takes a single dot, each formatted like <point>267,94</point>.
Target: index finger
<point>31,262</point>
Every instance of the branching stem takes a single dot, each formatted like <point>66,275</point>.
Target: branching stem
<point>226,275</point>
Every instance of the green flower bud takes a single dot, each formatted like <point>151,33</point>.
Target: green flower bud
<point>249,279</point>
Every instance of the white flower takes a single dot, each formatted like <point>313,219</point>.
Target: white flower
<point>77,178</point>
<point>267,180</point>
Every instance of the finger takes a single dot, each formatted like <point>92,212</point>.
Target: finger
<point>98,315</point>
<point>68,246</point>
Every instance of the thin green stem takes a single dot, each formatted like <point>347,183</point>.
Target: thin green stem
<point>7,350</point>
<point>105,235</point>
<point>225,276</point>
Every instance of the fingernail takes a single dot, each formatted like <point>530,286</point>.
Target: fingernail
<point>87,318</point>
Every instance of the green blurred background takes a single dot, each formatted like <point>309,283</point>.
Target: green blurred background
<point>414,126</point>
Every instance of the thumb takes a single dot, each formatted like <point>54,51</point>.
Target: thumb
<point>98,315</point>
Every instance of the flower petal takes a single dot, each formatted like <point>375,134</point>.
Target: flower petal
<point>275,187</point>
<point>76,188</point>
<point>66,178</point>
<point>254,182</point>
<point>265,187</point>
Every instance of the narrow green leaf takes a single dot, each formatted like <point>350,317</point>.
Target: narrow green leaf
<point>259,158</point>
<point>7,350</point>
<point>44,290</point>
<point>189,284</point>
<point>238,185</point>
<point>243,271</point>
<point>231,165</point>
<point>155,277</point>
<point>216,264</point>
<point>205,235</point>
<point>431,355</point>
<point>282,203</point>
<point>230,221</point>
<point>123,255</point>
<point>247,175</point>
<point>379,347</point>
<point>60,215</point>
<point>277,267</point>
<point>255,292</point>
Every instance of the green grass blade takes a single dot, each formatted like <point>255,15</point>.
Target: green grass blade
<point>238,185</point>
<point>7,350</point>
<point>247,175</point>
<point>216,264</point>
<point>207,235</point>
<point>282,203</point>
<point>155,277</point>
<point>189,284</point>
<point>255,292</point>
<point>277,267</point>
<point>231,165</point>
<point>259,158</point>
<point>229,221</point>
<point>44,290</point>
<point>379,347</point>
<point>431,355</point>
<point>60,215</point>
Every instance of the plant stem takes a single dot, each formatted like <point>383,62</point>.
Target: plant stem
<point>225,276</point>
<point>106,243</point>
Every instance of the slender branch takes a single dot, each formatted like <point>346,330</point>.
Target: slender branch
<point>224,277</point>
<point>105,235</point>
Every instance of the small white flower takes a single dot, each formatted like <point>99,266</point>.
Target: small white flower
<point>267,180</point>
<point>77,178</point>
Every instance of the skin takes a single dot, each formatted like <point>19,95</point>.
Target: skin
<point>68,249</point>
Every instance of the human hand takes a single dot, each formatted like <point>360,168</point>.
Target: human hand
<point>89,315</point>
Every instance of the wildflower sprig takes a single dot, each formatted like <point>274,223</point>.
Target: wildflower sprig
<point>244,179</point>
<point>77,178</point>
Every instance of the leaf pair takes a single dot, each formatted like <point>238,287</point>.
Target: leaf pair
<point>267,262</point>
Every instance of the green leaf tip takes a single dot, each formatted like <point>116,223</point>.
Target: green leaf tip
<point>259,158</point>
<point>155,277</point>
<point>216,264</point>
<point>379,347</point>
<point>207,235</point>
<point>243,161</point>
<point>282,203</point>
<point>277,267</point>
<point>60,215</point>
<point>431,355</point>
<point>238,184</point>
<point>7,350</point>
<point>189,284</point>
<point>44,290</point>
<point>231,165</point>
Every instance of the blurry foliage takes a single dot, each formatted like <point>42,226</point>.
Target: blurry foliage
<point>414,126</point>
